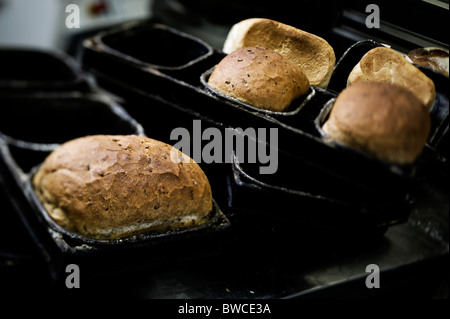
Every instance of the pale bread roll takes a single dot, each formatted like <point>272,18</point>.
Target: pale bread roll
<point>386,65</point>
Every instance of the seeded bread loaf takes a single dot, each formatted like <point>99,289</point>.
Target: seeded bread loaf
<point>107,187</point>
<point>259,77</point>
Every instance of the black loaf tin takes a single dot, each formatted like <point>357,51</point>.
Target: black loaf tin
<point>183,96</point>
<point>155,46</point>
<point>39,124</point>
<point>295,210</point>
<point>31,70</point>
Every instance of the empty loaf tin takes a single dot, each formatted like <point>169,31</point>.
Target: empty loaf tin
<point>31,70</point>
<point>154,46</point>
<point>42,121</point>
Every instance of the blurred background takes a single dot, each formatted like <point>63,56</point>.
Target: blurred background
<point>406,23</point>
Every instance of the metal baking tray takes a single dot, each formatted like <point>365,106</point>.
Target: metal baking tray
<point>310,207</point>
<point>181,98</point>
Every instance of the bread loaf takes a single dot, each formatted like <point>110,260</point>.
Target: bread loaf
<point>381,119</point>
<point>108,186</point>
<point>433,58</point>
<point>259,77</point>
<point>311,53</point>
<point>385,65</point>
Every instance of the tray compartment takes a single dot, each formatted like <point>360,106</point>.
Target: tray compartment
<point>347,62</point>
<point>28,70</point>
<point>156,46</point>
<point>297,115</point>
<point>290,208</point>
<point>43,121</point>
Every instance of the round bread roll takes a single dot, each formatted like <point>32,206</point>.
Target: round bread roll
<point>432,58</point>
<point>311,53</point>
<point>385,65</point>
<point>108,187</point>
<point>259,77</point>
<point>381,119</point>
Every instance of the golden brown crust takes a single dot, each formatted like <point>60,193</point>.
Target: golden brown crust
<point>385,65</point>
<point>433,58</point>
<point>384,120</point>
<point>108,186</point>
<point>259,77</point>
<point>311,53</point>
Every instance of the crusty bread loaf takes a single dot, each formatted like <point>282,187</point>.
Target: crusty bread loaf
<point>311,53</point>
<point>259,77</point>
<point>108,186</point>
<point>433,58</point>
<point>386,65</point>
<point>381,119</point>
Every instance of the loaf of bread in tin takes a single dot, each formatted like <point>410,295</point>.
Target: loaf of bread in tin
<point>259,77</point>
<point>386,65</point>
<point>114,186</point>
<point>436,59</point>
<point>311,53</point>
<point>384,120</point>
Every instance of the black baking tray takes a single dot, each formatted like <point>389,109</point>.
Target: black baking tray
<point>184,96</point>
<point>111,68</point>
<point>23,148</point>
<point>32,70</point>
<point>282,202</point>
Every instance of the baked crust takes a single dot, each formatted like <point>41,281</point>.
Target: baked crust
<point>385,65</point>
<point>259,77</point>
<point>311,53</point>
<point>381,119</point>
<point>433,58</point>
<point>108,186</point>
